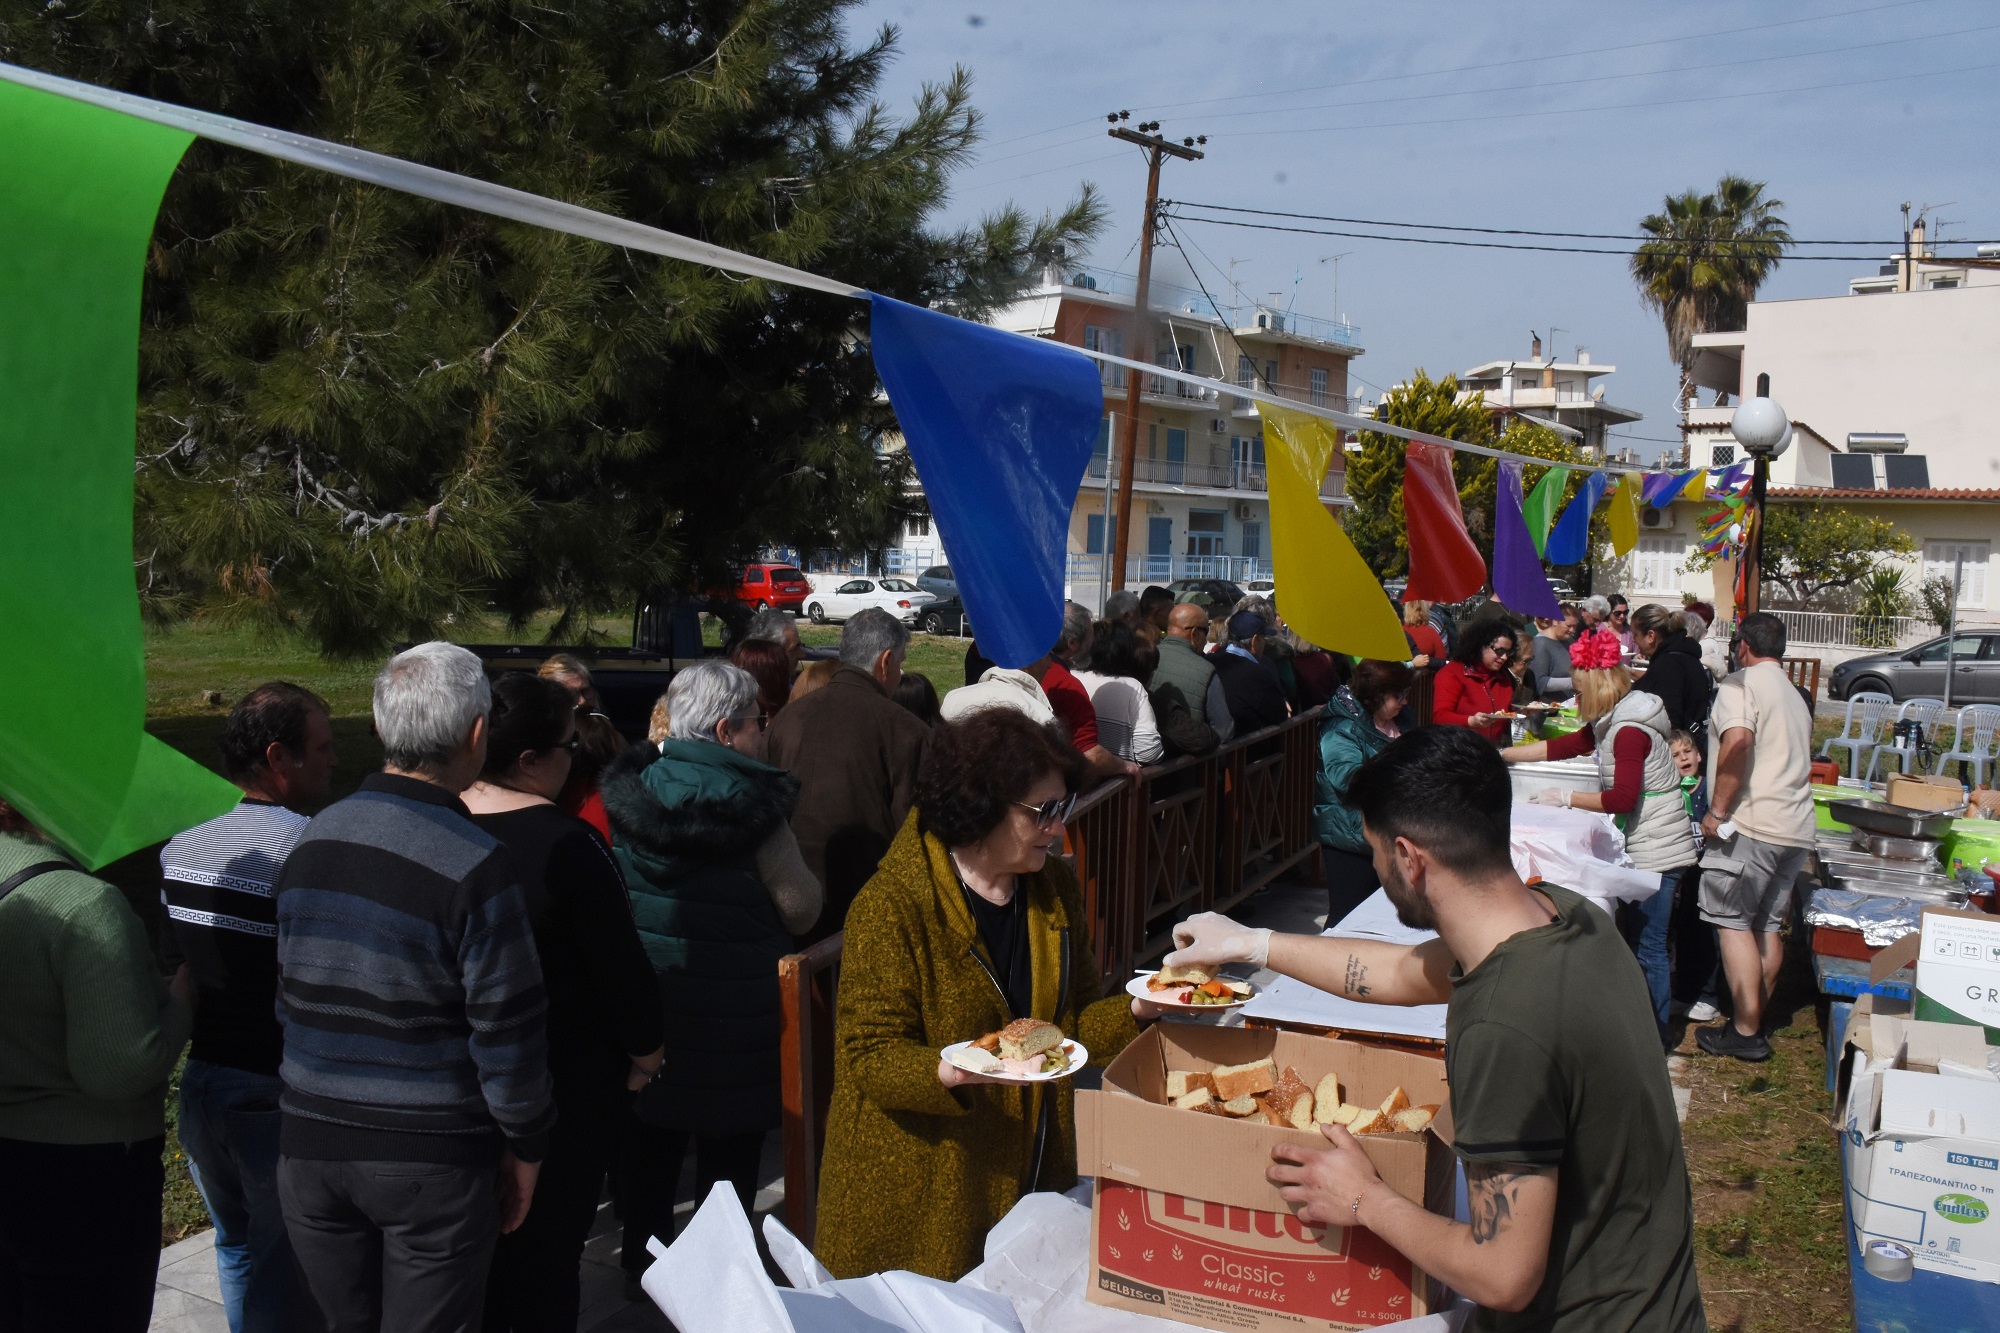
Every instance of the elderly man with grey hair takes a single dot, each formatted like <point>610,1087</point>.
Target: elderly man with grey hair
<point>417,1101</point>
<point>780,627</point>
<point>855,752</point>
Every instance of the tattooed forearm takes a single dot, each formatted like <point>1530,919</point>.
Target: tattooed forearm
<point>1492,1193</point>
<point>1357,977</point>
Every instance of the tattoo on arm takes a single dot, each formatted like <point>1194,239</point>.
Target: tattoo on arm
<point>1491,1195</point>
<point>1357,976</point>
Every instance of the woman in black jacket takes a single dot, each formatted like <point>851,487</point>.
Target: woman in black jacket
<point>1673,667</point>
<point>720,893</point>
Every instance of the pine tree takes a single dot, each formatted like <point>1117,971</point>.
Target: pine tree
<point>363,413</point>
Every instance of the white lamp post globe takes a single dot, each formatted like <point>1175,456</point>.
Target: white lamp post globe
<point>1762,427</point>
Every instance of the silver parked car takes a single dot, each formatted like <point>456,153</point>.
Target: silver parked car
<point>1919,672</point>
<point>938,582</point>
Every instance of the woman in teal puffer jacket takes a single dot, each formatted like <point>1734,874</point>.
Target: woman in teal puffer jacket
<point>719,892</point>
<point>1367,713</point>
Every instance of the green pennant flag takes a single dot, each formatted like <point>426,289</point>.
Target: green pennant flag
<point>1539,509</point>
<point>76,214</point>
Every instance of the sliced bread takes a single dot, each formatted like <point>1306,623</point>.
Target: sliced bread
<point>1326,1100</point>
<point>1232,1081</point>
<point>1180,1082</point>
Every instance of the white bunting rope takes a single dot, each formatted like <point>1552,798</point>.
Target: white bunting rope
<point>445,187</point>
<point>448,187</point>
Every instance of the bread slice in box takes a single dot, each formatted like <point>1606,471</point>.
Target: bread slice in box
<point>1180,1082</point>
<point>1326,1100</point>
<point>1415,1119</point>
<point>1244,1106</point>
<point>1199,1099</point>
<point>1291,1100</point>
<point>1232,1081</point>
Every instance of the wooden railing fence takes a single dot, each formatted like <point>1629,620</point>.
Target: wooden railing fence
<point>1196,834</point>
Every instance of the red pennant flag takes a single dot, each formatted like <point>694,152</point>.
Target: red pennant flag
<point>1444,564</point>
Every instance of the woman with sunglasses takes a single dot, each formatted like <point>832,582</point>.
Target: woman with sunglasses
<point>720,892</point>
<point>604,1018</point>
<point>971,922</point>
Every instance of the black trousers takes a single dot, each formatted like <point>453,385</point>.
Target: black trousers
<point>79,1235</point>
<point>1350,880</point>
<point>390,1247</point>
<point>652,1169</point>
<point>1697,956</point>
<point>535,1284</point>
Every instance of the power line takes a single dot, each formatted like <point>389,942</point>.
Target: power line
<point>1609,106</point>
<point>1494,245</point>
<point>1495,64</point>
<point>1896,242</point>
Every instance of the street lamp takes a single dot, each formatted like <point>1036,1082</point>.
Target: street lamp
<point>1762,427</point>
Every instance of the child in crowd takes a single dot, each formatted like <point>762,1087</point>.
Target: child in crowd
<point>1695,969</point>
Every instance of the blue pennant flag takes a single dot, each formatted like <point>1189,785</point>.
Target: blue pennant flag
<point>1000,428</point>
<point>1569,542</point>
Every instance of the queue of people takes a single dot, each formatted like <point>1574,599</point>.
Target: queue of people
<point>432,1021</point>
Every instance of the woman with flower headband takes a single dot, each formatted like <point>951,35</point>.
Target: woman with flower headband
<point>1633,741</point>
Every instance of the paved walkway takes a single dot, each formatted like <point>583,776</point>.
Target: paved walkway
<point>188,1298</point>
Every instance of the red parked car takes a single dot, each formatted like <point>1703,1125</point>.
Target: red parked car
<point>780,586</point>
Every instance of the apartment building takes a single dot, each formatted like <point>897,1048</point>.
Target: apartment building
<point>1200,507</point>
<point>1548,392</point>
<point>1886,386</point>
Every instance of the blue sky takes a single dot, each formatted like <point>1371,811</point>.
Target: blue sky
<point>1438,114</point>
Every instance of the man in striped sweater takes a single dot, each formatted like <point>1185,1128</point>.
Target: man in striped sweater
<point>417,1100</point>
<point>217,889</point>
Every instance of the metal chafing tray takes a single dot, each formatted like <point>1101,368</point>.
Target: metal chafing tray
<point>1897,821</point>
<point>1915,851</point>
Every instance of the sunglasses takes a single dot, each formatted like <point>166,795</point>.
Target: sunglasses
<point>1051,813</point>
<point>761,719</point>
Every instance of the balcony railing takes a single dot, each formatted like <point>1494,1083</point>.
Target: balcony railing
<point>1830,629</point>
<point>1298,393</point>
<point>1088,571</point>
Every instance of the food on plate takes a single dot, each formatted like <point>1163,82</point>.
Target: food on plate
<point>1260,1091</point>
<point>1191,974</point>
<point>978,1059</point>
<point>1233,1081</point>
<point>1025,1038</point>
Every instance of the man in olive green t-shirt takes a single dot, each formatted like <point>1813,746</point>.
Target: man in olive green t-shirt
<point>1581,1218</point>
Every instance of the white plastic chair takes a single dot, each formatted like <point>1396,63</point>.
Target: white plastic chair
<point>1925,713</point>
<point>1862,733</point>
<point>1977,723</point>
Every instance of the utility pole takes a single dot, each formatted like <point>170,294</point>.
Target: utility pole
<point>1157,150</point>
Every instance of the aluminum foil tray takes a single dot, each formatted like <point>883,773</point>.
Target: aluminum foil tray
<point>1881,921</point>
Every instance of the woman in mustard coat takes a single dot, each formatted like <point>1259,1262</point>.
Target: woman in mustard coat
<point>968,924</point>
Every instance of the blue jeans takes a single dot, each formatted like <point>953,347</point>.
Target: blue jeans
<point>1648,925</point>
<point>229,1125</point>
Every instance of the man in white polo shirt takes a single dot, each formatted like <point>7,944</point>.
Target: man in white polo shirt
<point>1759,759</point>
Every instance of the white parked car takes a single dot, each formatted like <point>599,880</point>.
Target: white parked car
<point>899,597</point>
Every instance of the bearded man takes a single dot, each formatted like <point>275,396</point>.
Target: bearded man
<point>1580,1211</point>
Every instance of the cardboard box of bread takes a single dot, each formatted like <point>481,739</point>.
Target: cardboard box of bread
<point>1184,1224</point>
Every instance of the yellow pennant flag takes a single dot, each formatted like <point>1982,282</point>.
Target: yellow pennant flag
<point>1624,513</point>
<point>1696,488</point>
<point>1331,596</point>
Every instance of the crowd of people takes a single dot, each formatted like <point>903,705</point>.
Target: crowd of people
<point>428,1025</point>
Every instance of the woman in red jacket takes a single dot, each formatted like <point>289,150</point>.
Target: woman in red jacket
<point>1475,688</point>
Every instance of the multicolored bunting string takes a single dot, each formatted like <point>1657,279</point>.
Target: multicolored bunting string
<point>1569,542</point>
<point>1662,487</point>
<point>1444,564</point>
<point>1000,429</point>
<point>1332,598</point>
<point>1624,514</point>
<point>1518,580</point>
<point>83,186</point>
<point>1723,527</point>
<point>1732,480</point>
<point>1539,510</point>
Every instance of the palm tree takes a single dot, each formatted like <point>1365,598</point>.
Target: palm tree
<point>1708,256</point>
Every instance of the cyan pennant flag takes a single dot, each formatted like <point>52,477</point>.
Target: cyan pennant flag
<point>1000,428</point>
<point>1570,540</point>
<point>1518,580</point>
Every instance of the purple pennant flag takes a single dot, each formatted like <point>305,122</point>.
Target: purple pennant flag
<point>1518,580</point>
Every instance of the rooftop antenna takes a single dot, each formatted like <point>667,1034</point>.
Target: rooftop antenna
<point>1335,261</point>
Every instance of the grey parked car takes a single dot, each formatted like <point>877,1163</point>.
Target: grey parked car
<point>1919,672</point>
<point>937,580</point>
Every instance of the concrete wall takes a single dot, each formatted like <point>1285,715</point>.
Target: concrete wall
<point>1921,363</point>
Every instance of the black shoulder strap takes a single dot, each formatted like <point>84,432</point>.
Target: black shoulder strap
<point>20,877</point>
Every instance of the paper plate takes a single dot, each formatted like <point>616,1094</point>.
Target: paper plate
<point>1078,1057</point>
<point>1173,998</point>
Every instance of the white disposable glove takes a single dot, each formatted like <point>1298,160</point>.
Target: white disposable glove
<point>1210,939</point>
<point>1550,796</point>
